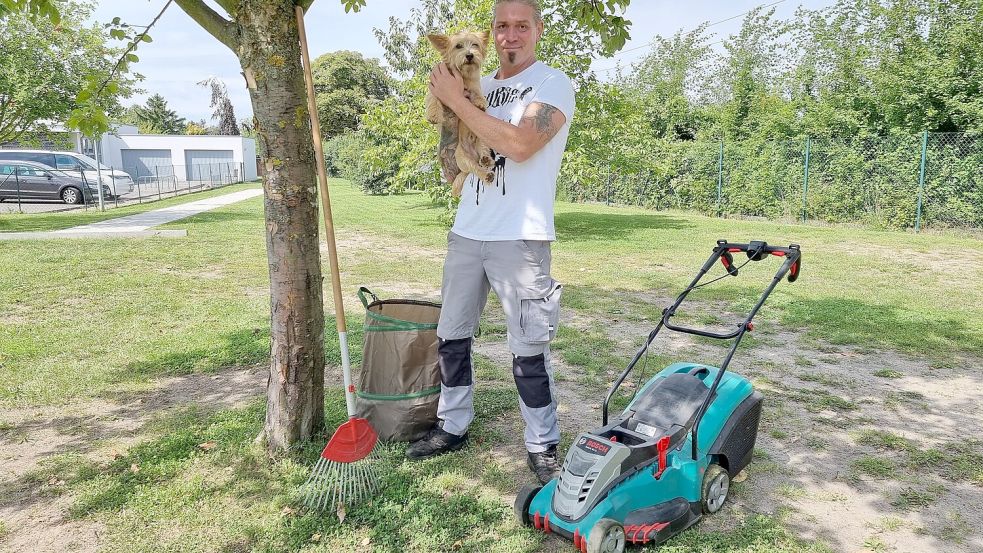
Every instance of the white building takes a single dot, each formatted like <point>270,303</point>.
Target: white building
<point>150,157</point>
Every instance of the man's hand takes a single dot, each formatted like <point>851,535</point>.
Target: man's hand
<point>446,85</point>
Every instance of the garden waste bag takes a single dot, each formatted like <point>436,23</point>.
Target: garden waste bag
<point>399,383</point>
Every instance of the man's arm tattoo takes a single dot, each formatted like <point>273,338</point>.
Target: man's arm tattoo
<point>544,119</point>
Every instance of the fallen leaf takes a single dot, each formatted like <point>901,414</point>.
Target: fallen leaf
<point>288,511</point>
<point>741,476</point>
<point>366,541</point>
<point>134,468</point>
<point>207,446</point>
<point>457,545</point>
<point>316,537</point>
<point>341,512</point>
<point>117,455</point>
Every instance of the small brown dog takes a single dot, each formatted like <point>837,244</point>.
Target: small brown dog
<point>461,152</point>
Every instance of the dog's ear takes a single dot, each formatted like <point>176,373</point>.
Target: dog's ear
<point>485,36</point>
<point>439,42</point>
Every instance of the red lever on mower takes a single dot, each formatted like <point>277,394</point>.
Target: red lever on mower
<point>663,447</point>
<point>728,261</point>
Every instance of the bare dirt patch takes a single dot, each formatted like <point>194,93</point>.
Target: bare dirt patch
<point>36,513</point>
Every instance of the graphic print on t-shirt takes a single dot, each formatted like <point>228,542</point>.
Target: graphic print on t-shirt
<point>499,97</point>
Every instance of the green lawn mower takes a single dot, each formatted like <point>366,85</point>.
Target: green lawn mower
<point>668,459</point>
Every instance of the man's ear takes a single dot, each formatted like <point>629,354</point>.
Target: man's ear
<point>439,41</point>
<point>485,36</point>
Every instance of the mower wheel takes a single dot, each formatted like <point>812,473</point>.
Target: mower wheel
<point>522,500</point>
<point>716,484</point>
<point>607,536</point>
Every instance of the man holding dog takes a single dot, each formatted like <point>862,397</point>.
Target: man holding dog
<point>501,237</point>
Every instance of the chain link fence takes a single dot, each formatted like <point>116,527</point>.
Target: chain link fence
<point>25,186</point>
<point>928,180</point>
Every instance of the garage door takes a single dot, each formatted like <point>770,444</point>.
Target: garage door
<point>147,163</point>
<point>208,165</point>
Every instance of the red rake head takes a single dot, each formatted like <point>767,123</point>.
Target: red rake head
<point>352,441</point>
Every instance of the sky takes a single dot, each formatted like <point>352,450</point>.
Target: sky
<point>183,54</point>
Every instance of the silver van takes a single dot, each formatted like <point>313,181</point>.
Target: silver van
<point>119,183</point>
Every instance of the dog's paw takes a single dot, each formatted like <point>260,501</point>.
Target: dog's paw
<point>489,177</point>
<point>486,161</point>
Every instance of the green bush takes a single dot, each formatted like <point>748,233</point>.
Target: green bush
<point>369,164</point>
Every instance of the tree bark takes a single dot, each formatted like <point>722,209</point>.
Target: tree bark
<point>264,35</point>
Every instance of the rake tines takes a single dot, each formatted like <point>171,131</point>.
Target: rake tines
<point>334,483</point>
<point>348,470</point>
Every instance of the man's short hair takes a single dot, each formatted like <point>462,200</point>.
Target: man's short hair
<point>537,10</point>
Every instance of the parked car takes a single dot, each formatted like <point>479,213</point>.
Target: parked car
<point>28,180</point>
<point>119,182</point>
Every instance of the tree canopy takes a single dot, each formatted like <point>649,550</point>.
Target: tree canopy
<point>223,112</point>
<point>156,118</point>
<point>345,86</point>
<point>42,69</point>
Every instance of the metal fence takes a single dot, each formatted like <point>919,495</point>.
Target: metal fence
<point>121,185</point>
<point>928,180</point>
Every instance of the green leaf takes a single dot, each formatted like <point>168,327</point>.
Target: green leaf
<point>146,38</point>
<point>131,57</point>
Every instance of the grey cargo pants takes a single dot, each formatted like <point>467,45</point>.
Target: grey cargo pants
<point>519,273</point>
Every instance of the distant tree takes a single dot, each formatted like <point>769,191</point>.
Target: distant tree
<point>195,128</point>
<point>41,64</point>
<point>345,85</point>
<point>157,118</point>
<point>224,112</point>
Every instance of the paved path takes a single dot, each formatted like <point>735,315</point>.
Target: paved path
<point>139,225</point>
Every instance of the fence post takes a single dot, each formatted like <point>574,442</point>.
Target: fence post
<point>720,180</point>
<point>17,180</point>
<point>85,190</point>
<point>921,182</point>
<point>112,177</point>
<point>608,201</point>
<point>805,178</point>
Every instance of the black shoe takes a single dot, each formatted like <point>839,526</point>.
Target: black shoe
<point>546,464</point>
<point>436,442</point>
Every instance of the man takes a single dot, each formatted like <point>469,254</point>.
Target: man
<point>501,236</point>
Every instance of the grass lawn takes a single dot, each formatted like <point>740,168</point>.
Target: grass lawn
<point>89,321</point>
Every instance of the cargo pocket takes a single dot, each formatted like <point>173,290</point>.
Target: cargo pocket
<point>539,313</point>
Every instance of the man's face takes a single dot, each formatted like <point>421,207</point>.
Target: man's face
<point>516,33</point>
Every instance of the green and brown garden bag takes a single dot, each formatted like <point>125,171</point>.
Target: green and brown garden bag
<point>400,380</point>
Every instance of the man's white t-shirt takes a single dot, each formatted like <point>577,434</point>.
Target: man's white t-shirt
<point>519,204</point>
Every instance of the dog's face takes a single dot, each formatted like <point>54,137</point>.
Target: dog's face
<point>464,51</point>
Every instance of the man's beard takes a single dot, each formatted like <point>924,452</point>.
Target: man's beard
<point>511,57</point>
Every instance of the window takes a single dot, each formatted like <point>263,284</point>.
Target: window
<point>6,169</point>
<point>25,171</point>
<point>66,163</point>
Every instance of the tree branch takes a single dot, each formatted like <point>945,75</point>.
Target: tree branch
<point>306,4</point>
<point>136,41</point>
<point>210,20</point>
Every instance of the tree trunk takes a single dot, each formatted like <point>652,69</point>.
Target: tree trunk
<point>269,53</point>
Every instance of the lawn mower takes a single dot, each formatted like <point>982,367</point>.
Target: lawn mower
<point>668,459</point>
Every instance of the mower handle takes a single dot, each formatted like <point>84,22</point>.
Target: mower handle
<point>756,251</point>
